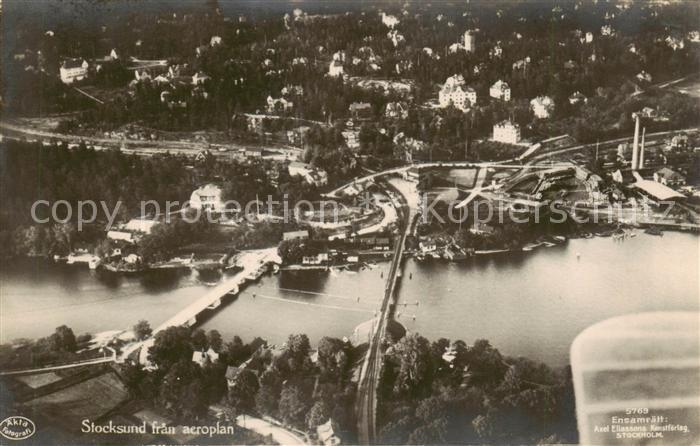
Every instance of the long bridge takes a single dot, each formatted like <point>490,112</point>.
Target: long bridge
<point>254,264</point>
<point>366,405</point>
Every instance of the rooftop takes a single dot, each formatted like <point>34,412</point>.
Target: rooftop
<point>657,190</point>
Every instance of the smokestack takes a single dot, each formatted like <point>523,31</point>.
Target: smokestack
<point>641,149</point>
<point>635,145</point>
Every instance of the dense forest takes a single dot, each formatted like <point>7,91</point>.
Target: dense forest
<point>472,395</point>
<point>440,392</point>
<point>542,52</point>
<point>292,383</point>
<point>119,184</point>
<point>453,393</point>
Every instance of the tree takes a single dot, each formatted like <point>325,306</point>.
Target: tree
<point>486,363</point>
<point>64,340</point>
<point>293,405</point>
<point>142,330</point>
<point>214,340</point>
<point>266,399</point>
<point>318,415</point>
<point>236,352</point>
<point>182,392</point>
<point>297,353</point>
<point>242,395</point>
<point>133,376</point>
<point>298,345</point>
<point>483,425</point>
<point>415,365</point>
<point>290,251</point>
<point>171,345</point>
<point>434,432</point>
<point>199,340</point>
<point>332,358</point>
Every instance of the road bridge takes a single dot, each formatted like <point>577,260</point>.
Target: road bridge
<point>254,264</point>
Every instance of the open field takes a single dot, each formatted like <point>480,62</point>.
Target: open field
<point>88,399</point>
<point>40,380</point>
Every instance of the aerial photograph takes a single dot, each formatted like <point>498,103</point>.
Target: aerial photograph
<point>369,222</point>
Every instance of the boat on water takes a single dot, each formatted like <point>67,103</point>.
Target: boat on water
<point>490,251</point>
<point>653,230</point>
<point>455,254</point>
<point>559,238</point>
<point>94,262</point>
<point>531,246</point>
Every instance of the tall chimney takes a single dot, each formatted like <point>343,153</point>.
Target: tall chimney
<point>641,149</point>
<point>635,145</point>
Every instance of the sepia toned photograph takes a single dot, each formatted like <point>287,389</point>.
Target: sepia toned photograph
<point>338,222</point>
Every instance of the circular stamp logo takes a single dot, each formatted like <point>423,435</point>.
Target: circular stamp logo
<point>17,428</point>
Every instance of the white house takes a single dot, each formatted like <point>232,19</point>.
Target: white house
<point>469,41</point>
<point>577,97</point>
<point>455,47</point>
<point>352,138</point>
<point>389,20</point>
<point>215,40</point>
<point>199,78</point>
<point>506,132</point>
<point>542,106</point>
<point>455,92</point>
<point>522,64</point>
<point>311,175</point>
<point>500,90</point>
<point>202,358</point>
<point>669,177</point>
<point>133,230</point>
<point>207,198</point>
<point>278,105</point>
<point>73,70</point>
<point>395,37</point>
<point>589,37</point>
<point>335,69</point>
<point>296,235</point>
<point>643,76</point>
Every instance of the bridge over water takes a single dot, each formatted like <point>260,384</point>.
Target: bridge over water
<point>366,405</point>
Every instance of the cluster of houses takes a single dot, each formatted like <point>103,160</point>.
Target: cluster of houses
<point>321,252</point>
<point>77,69</point>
